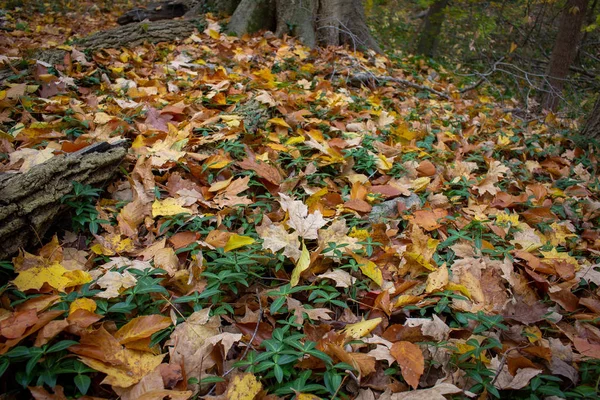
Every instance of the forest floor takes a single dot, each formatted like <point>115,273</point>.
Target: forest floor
<point>283,228</point>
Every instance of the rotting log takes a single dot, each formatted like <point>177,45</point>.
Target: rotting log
<point>130,35</point>
<point>30,202</point>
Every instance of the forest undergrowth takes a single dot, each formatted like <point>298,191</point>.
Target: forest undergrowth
<point>283,227</point>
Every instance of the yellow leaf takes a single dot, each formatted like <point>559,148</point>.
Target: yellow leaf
<point>420,184</point>
<point>301,266</point>
<point>362,328</point>
<point>370,269</point>
<point>236,241</point>
<point>462,348</point>
<point>279,122</point>
<point>295,140</point>
<point>167,207</point>
<point>141,328</point>
<point>552,255</point>
<point>134,366</point>
<point>77,277</point>
<point>214,34</point>
<point>102,118</point>
<point>243,387</point>
<point>383,162</point>
<point>513,47</point>
<point>533,333</point>
<point>82,304</point>
<point>437,280</point>
<point>306,396</point>
<point>215,187</point>
<point>55,275</point>
<point>458,288</point>
<point>138,142</point>
<point>406,299</point>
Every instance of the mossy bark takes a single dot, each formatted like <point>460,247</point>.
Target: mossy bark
<point>564,51</point>
<point>432,26</point>
<point>253,15</point>
<point>30,202</point>
<point>591,129</point>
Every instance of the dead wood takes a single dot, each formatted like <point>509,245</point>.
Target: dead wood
<point>31,202</point>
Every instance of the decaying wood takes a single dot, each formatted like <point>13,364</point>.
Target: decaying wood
<point>130,35</point>
<point>31,202</point>
<point>156,12</point>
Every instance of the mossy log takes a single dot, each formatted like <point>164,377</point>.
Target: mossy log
<point>30,202</point>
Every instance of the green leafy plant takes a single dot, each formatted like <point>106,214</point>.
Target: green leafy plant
<point>82,202</point>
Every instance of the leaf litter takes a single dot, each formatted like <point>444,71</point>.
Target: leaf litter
<point>244,222</point>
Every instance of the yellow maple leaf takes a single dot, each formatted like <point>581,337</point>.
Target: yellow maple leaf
<point>54,275</point>
<point>82,304</point>
<point>243,387</point>
<point>169,206</point>
<point>550,256</point>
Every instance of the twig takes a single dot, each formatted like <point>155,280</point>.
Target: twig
<point>503,361</point>
<point>483,77</point>
<point>367,77</point>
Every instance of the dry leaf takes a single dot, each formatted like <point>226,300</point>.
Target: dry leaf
<point>411,361</point>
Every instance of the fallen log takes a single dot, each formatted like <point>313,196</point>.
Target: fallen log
<point>30,202</point>
<point>130,35</point>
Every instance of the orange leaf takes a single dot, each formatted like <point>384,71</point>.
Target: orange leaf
<point>428,219</point>
<point>358,205</point>
<point>263,170</point>
<point>411,361</point>
<point>142,327</point>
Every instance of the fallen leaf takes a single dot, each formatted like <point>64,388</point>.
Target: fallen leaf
<point>411,361</point>
<point>236,241</point>
<point>168,207</point>
<point>243,387</point>
<point>141,328</point>
<point>301,266</point>
<point>362,328</point>
<point>55,275</point>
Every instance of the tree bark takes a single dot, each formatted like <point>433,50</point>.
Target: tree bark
<point>30,202</point>
<point>431,28</point>
<point>315,22</point>
<point>564,52</point>
<point>591,129</point>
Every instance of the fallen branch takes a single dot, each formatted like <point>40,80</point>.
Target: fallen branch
<point>370,80</point>
<point>482,79</point>
<point>130,35</point>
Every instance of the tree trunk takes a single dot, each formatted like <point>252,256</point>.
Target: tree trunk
<point>432,26</point>
<point>315,22</point>
<point>564,52</point>
<point>591,129</point>
<point>30,202</point>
